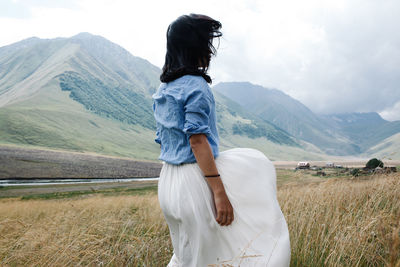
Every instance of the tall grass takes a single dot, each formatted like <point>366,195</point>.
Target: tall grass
<point>104,231</point>
<point>340,222</point>
<point>344,222</point>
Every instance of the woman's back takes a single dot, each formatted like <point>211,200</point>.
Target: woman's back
<point>184,107</point>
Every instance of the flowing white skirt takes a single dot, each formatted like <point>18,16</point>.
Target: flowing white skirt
<point>258,236</point>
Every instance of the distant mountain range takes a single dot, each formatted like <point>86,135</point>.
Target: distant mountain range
<point>336,134</point>
<point>86,93</point>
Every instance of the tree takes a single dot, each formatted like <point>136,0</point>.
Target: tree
<point>373,163</point>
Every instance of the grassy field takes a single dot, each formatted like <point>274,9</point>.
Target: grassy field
<point>332,222</point>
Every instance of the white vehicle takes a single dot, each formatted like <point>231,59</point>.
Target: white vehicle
<point>303,165</point>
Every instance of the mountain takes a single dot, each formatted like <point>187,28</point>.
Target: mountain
<point>363,129</point>
<point>336,134</point>
<point>240,128</point>
<point>289,114</point>
<point>387,149</point>
<point>82,93</point>
<point>82,63</point>
<point>86,93</point>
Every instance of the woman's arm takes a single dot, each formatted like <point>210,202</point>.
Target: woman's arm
<point>205,159</point>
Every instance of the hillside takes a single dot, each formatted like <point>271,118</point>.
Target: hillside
<point>240,128</point>
<point>44,103</point>
<point>387,149</point>
<point>86,93</point>
<point>336,134</point>
<point>289,114</point>
<point>364,129</point>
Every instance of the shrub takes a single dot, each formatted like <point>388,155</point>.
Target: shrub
<point>355,172</point>
<point>373,163</point>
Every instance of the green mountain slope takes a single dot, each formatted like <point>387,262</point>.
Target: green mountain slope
<point>364,129</point>
<point>289,114</point>
<point>387,149</point>
<point>234,120</point>
<point>121,102</point>
<point>240,128</point>
<point>51,119</point>
<point>86,93</point>
<point>59,93</point>
<point>337,134</point>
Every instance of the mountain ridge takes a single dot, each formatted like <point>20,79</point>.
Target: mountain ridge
<point>335,134</point>
<point>86,93</point>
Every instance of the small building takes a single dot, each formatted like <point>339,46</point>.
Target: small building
<point>303,165</point>
<point>330,165</point>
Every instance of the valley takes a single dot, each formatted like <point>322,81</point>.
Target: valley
<point>86,94</point>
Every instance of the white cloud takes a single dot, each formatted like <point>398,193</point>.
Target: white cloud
<point>391,113</point>
<point>334,56</point>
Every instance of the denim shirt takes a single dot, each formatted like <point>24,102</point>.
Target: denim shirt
<point>181,108</point>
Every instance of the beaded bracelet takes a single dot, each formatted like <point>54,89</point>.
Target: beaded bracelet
<point>209,176</point>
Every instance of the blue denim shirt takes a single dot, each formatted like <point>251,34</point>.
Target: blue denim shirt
<point>181,108</point>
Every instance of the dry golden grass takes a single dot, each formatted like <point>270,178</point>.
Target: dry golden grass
<point>344,222</point>
<point>95,231</point>
<point>340,222</point>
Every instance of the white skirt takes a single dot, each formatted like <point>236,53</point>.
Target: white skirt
<point>258,236</point>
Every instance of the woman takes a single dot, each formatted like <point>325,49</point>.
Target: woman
<point>221,208</point>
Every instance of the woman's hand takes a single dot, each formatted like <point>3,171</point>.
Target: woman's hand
<point>205,159</point>
<point>223,207</point>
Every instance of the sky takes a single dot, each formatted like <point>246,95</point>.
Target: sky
<point>334,56</point>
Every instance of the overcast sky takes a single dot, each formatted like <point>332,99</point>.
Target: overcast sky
<point>334,56</point>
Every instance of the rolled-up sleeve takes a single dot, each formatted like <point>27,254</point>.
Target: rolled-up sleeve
<point>157,139</point>
<point>197,109</point>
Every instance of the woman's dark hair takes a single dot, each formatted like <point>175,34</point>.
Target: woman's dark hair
<point>189,47</point>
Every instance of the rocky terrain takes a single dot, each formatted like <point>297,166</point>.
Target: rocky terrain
<point>17,162</point>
